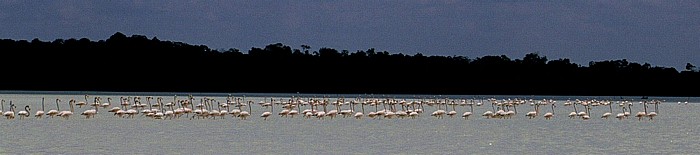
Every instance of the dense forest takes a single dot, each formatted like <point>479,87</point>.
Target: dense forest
<point>137,63</point>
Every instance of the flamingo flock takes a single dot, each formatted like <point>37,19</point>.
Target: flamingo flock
<point>195,108</point>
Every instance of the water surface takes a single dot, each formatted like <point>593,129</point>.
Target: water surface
<point>672,132</point>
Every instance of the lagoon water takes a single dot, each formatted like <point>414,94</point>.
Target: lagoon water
<point>673,131</point>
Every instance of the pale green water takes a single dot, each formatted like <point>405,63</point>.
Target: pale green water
<point>672,132</point>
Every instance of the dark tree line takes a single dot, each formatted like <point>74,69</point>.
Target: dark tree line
<point>137,63</point>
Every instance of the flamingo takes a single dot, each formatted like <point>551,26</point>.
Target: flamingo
<point>653,114</point>
<point>222,113</point>
<point>90,113</point>
<point>294,112</point>
<point>124,101</point>
<point>171,113</point>
<point>2,106</point>
<point>268,113</point>
<point>199,113</point>
<point>185,109</point>
<point>120,113</point>
<point>438,113</point>
<point>96,102</point>
<point>374,113</point>
<point>132,112</point>
<point>489,113</point>
<point>54,112</point>
<point>10,114</point>
<point>213,113</point>
<point>350,111</point>
<point>532,114</point>
<point>642,114</point>
<point>321,114</point>
<point>109,102</point>
<point>115,109</point>
<point>25,112</point>
<point>67,114</point>
<point>607,114</point>
<point>236,112</point>
<point>453,112</point>
<point>549,115</point>
<point>149,112</point>
<point>245,114</point>
<point>359,115</point>
<point>309,113</point>
<point>468,113</point>
<point>331,113</point>
<point>159,114</point>
<point>283,113</point>
<point>180,110</point>
<point>586,116</point>
<point>81,103</point>
<point>40,113</point>
<point>583,113</point>
<point>574,113</point>
<point>510,113</point>
<point>627,113</point>
<point>388,114</point>
<point>620,116</point>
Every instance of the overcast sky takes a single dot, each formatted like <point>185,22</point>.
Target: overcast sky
<point>662,33</point>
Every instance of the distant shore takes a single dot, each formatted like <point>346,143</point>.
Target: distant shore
<point>141,64</point>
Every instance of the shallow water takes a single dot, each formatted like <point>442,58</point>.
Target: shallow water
<point>672,132</point>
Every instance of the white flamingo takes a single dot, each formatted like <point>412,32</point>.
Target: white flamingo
<point>150,111</point>
<point>54,112</point>
<point>620,116</point>
<point>268,113</point>
<point>67,114</point>
<point>468,113</point>
<point>453,112</point>
<point>284,112</point>
<point>574,113</point>
<point>170,113</point>
<point>293,112</point>
<point>607,114</point>
<point>586,116</point>
<point>359,115</point>
<point>109,102</point>
<point>25,112</point>
<point>132,112</point>
<point>40,113</point>
<point>653,114</point>
<point>81,103</point>
<point>90,113</point>
<point>159,114</point>
<point>549,115</point>
<point>96,102</point>
<point>213,113</point>
<point>439,112</point>
<point>533,114</point>
<point>489,113</point>
<point>642,114</point>
<point>9,114</point>
<point>245,114</point>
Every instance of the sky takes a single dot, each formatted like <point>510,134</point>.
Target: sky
<point>661,33</point>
